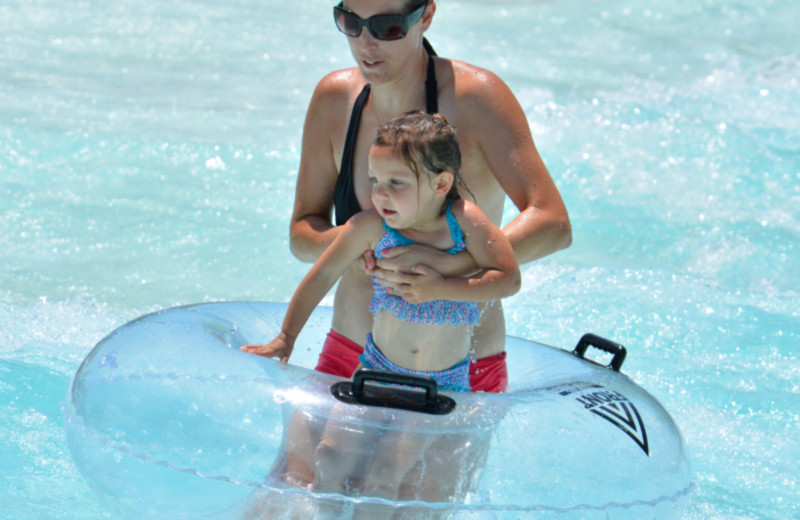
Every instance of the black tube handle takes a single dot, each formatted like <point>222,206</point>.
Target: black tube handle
<point>395,378</point>
<point>395,396</point>
<point>606,345</point>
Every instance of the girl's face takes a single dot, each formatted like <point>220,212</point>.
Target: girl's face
<point>398,196</point>
<point>381,61</point>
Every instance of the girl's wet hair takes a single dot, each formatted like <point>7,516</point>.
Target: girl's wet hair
<point>427,144</point>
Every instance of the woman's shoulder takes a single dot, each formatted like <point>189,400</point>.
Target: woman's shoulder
<point>468,77</point>
<point>333,100</point>
<point>339,85</point>
<point>471,85</point>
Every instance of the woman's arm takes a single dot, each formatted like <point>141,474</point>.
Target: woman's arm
<point>311,230</point>
<point>542,226</point>
<point>498,274</point>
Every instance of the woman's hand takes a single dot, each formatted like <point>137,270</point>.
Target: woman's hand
<point>279,347</point>
<point>403,259</point>
<point>419,285</point>
<point>405,271</point>
<point>368,261</point>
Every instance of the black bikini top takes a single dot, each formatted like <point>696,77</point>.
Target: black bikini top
<point>344,195</point>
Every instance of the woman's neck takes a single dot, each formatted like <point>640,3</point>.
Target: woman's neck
<point>403,94</point>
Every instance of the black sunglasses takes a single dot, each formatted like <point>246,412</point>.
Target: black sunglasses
<point>383,27</point>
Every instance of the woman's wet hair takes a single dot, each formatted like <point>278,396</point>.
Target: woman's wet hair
<point>427,144</point>
<point>412,5</point>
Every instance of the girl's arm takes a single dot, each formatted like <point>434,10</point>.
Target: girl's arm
<point>359,233</point>
<point>498,276</point>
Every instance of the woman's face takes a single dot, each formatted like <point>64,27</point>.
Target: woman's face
<point>381,61</point>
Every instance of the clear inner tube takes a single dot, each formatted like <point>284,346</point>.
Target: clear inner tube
<point>166,418</point>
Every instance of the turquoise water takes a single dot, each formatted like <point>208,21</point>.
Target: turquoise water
<point>148,153</point>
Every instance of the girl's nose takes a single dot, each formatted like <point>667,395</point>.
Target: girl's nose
<point>379,190</point>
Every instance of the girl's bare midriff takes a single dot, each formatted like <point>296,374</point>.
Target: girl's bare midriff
<point>422,347</point>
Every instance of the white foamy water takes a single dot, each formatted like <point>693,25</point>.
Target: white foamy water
<point>148,153</point>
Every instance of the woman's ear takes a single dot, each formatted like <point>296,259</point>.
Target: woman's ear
<point>427,16</point>
<point>442,182</point>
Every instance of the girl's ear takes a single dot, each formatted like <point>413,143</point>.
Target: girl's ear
<point>442,182</point>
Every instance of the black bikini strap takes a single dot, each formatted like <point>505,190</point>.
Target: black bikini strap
<point>428,47</point>
<point>345,202</point>
<point>355,117</point>
<point>431,87</point>
<point>344,197</point>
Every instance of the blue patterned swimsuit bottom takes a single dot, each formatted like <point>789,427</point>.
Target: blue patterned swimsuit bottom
<point>455,378</point>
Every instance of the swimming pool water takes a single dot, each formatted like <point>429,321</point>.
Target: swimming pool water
<point>148,153</point>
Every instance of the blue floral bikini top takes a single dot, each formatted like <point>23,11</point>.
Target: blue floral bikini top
<point>436,312</point>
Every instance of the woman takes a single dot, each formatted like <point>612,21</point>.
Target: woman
<point>499,159</point>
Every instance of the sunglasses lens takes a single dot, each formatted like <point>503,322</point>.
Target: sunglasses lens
<point>348,23</point>
<point>389,27</point>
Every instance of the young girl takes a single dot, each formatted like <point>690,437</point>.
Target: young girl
<point>414,171</point>
<point>413,168</point>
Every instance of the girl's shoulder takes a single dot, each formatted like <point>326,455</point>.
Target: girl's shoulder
<point>366,224</point>
<point>470,217</point>
<point>466,210</point>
